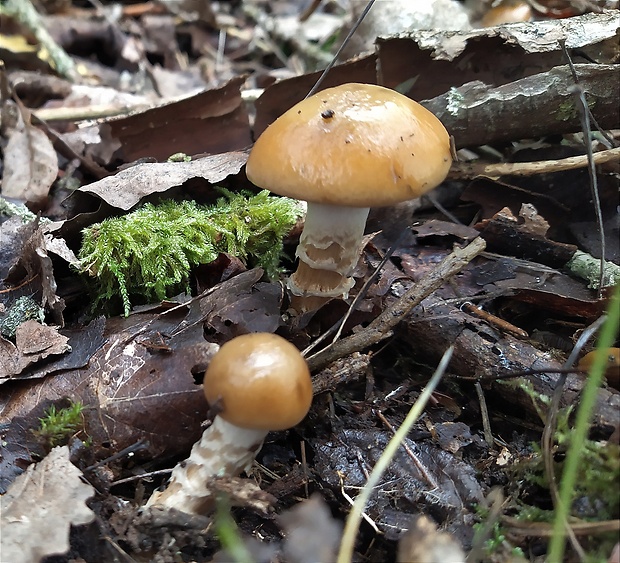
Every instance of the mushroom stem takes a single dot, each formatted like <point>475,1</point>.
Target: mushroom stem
<point>224,449</point>
<point>328,250</point>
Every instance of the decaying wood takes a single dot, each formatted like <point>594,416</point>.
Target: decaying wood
<point>542,104</point>
<point>482,352</point>
<point>340,372</point>
<point>505,235</point>
<point>590,33</point>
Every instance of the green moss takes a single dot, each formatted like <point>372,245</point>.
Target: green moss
<point>151,251</point>
<point>598,474</point>
<point>497,545</point>
<point>566,111</point>
<point>58,425</point>
<point>594,494</point>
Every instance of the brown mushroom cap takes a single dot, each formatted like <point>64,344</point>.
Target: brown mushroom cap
<point>262,381</point>
<point>358,145</point>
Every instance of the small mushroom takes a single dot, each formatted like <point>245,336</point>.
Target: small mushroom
<point>612,364</point>
<point>344,150</point>
<point>259,382</point>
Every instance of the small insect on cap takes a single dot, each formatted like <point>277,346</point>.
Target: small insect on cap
<point>262,382</point>
<point>358,145</point>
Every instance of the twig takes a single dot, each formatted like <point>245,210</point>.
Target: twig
<point>465,170</point>
<point>142,476</point>
<point>545,530</point>
<point>15,288</point>
<point>382,326</point>
<point>484,413</point>
<point>87,113</point>
<point>585,116</point>
<point>129,450</point>
<point>414,458</point>
<point>494,320</point>
<point>24,12</point>
<point>309,10</point>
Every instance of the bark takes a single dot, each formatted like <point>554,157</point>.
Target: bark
<point>543,104</point>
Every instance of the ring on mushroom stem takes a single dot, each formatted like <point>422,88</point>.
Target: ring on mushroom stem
<point>344,150</point>
<point>262,383</point>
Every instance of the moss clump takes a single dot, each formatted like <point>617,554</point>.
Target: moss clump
<point>58,425</point>
<point>151,251</point>
<point>593,499</point>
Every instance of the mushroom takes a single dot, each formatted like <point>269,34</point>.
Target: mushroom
<point>259,382</point>
<point>344,150</point>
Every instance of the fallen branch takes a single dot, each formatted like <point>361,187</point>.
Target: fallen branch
<point>381,327</point>
<point>26,14</point>
<point>538,105</point>
<point>466,170</point>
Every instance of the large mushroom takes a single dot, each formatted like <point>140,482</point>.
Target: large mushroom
<point>344,150</point>
<point>258,382</point>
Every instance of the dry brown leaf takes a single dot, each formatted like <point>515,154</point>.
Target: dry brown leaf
<point>40,506</point>
<point>30,263</point>
<point>241,305</point>
<point>129,186</point>
<point>33,342</point>
<point>30,163</point>
<point>137,386</point>
<point>210,122</point>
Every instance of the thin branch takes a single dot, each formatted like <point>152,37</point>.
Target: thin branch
<point>381,327</point>
<point>467,170</point>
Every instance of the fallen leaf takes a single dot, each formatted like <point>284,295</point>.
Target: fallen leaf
<point>129,186</point>
<point>350,451</point>
<point>30,163</point>
<point>214,121</point>
<point>452,436</point>
<point>13,234</point>
<point>40,506</point>
<point>435,227</point>
<point>131,389</point>
<point>30,264</point>
<point>82,342</point>
<point>33,342</point>
<point>242,305</point>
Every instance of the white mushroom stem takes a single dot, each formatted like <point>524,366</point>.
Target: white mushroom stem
<point>223,450</point>
<point>328,250</point>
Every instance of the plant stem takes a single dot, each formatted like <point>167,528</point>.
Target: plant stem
<point>582,425</point>
<point>345,554</point>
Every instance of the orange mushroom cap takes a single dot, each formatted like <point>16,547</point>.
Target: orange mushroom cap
<point>262,381</point>
<point>358,145</point>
